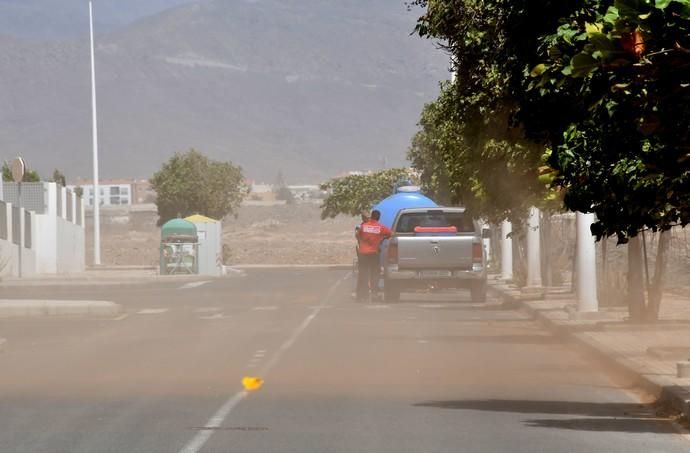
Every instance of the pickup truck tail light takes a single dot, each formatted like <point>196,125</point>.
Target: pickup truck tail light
<point>393,251</point>
<point>477,253</point>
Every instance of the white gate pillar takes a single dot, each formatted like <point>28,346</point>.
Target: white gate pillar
<point>506,250</point>
<point>533,249</point>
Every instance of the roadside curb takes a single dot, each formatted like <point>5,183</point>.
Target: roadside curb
<point>53,308</point>
<point>662,387</point>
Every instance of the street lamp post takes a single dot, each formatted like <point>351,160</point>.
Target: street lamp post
<point>96,190</point>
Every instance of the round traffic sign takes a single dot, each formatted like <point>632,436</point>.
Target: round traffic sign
<point>18,169</point>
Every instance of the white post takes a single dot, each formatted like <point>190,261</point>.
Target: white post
<point>586,265</point>
<point>21,230</point>
<point>96,191</point>
<point>533,249</point>
<point>63,198</point>
<point>506,251</point>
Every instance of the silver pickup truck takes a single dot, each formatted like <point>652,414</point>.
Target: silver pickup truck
<point>439,247</point>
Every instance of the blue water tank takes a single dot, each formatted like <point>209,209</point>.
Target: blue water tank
<point>406,197</point>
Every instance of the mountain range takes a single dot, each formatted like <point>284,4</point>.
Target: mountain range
<point>311,88</point>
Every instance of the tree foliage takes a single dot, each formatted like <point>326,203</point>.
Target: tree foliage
<point>597,89</point>
<point>625,153</point>
<point>59,178</point>
<point>471,139</point>
<point>191,183</point>
<point>282,191</point>
<point>350,195</point>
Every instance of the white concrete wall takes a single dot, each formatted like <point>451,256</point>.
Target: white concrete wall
<point>9,259</point>
<point>70,257</point>
<point>210,248</point>
<point>9,252</point>
<point>58,244</point>
<point>45,239</point>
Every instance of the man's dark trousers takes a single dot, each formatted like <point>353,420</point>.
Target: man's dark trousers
<point>369,270</point>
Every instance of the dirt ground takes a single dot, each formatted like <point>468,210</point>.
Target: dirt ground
<point>276,234</point>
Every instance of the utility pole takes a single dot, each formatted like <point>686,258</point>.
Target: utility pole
<point>96,189</point>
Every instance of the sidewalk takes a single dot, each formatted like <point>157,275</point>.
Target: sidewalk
<point>648,353</point>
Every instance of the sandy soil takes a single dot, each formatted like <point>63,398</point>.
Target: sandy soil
<point>259,235</point>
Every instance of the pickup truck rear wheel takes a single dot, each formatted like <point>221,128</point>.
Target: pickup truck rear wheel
<point>391,291</point>
<point>478,292</point>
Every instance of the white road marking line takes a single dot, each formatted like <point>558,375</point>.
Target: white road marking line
<point>259,354</point>
<point>266,308</point>
<point>215,421</point>
<point>152,311</point>
<point>194,284</point>
<point>200,439</point>
<point>121,317</point>
<point>377,307</point>
<point>213,316</point>
<point>207,310</point>
<point>431,306</point>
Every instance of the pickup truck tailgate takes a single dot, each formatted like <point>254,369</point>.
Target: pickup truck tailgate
<point>435,252</point>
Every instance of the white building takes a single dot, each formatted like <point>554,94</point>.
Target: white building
<point>112,193</point>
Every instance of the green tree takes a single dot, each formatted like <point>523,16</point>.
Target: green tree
<point>350,195</point>
<point>625,153</point>
<point>597,89</point>
<point>282,191</point>
<point>29,175</point>
<point>191,183</point>
<point>471,138</point>
<point>59,177</point>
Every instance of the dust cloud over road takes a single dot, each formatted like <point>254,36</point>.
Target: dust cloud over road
<point>432,373</point>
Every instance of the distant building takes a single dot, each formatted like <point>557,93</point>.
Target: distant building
<point>113,192</point>
<point>305,192</point>
<point>117,192</point>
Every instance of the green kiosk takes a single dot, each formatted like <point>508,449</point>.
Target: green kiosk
<point>179,250</point>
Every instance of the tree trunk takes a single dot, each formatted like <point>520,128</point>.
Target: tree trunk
<point>519,259</point>
<point>636,299</point>
<point>656,289</point>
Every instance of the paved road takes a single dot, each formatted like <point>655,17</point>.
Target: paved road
<point>430,374</point>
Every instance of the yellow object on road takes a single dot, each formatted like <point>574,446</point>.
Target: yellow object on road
<point>252,383</point>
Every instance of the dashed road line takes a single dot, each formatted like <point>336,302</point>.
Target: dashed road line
<point>432,306</point>
<point>192,285</point>
<point>214,316</point>
<point>266,308</point>
<point>152,311</point>
<point>200,439</point>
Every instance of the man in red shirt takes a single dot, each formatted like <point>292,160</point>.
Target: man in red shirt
<point>370,235</point>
